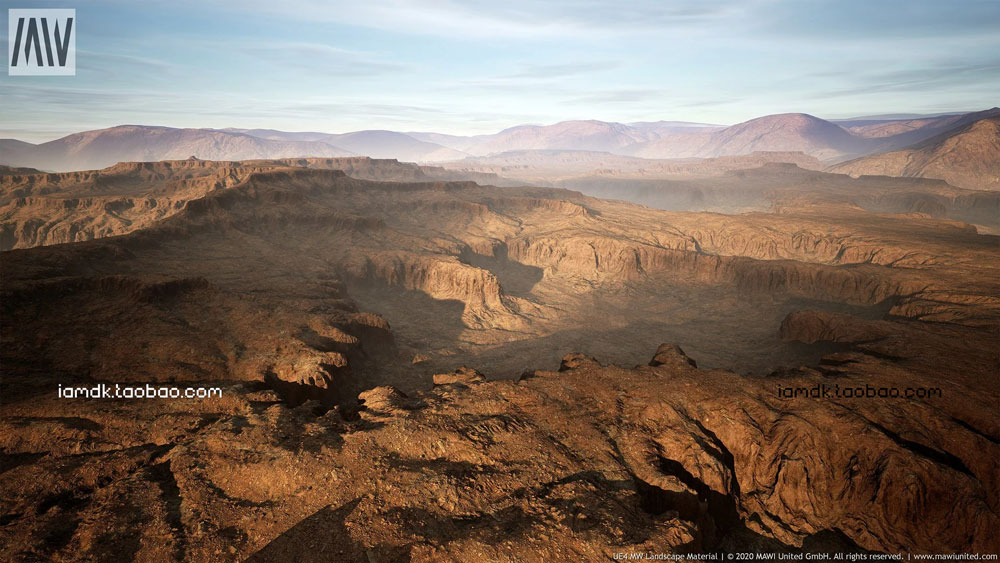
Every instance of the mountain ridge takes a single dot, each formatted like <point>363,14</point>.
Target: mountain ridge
<point>825,140</point>
<point>105,147</point>
<point>967,156</point>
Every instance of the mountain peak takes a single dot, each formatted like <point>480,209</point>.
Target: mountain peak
<point>966,156</point>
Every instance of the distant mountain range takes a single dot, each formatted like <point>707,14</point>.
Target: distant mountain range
<point>830,142</point>
<point>782,132</point>
<point>967,156</point>
<point>104,147</point>
<point>375,143</point>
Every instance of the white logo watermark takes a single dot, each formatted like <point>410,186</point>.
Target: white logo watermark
<point>41,42</point>
<point>147,391</point>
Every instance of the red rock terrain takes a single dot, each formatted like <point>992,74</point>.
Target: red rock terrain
<point>38,208</point>
<point>389,355</point>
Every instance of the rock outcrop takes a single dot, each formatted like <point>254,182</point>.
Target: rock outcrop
<point>592,461</point>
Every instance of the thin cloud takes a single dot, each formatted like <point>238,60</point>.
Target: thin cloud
<point>622,96</point>
<point>920,79</point>
<point>318,57</point>
<point>563,70</point>
<point>518,18</point>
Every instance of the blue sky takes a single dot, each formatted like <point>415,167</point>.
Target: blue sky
<point>477,66</point>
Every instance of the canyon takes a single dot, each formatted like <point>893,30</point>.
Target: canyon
<point>484,360</point>
<point>602,281</point>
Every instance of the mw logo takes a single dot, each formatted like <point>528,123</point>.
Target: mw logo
<point>41,42</point>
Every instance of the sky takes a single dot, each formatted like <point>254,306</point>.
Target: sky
<point>480,66</point>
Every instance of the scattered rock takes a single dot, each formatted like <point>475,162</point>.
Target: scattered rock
<point>671,355</point>
<point>576,360</point>
<point>462,375</point>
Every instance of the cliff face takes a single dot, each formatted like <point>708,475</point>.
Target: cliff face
<point>38,209</point>
<point>484,303</point>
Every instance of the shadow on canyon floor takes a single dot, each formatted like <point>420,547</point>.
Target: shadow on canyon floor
<point>517,280</point>
<point>719,326</point>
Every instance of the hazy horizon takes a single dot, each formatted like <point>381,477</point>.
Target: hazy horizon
<point>479,68</point>
<point>46,138</point>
